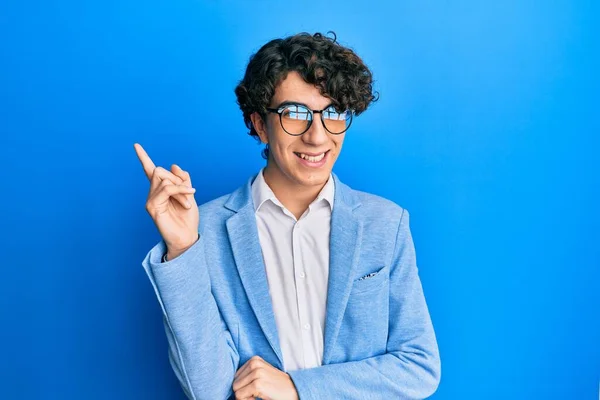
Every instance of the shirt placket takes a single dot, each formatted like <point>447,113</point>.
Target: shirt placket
<point>304,322</point>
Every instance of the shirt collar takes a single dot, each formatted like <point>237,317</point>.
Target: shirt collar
<point>261,192</point>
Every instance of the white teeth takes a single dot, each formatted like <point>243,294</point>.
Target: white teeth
<point>311,158</point>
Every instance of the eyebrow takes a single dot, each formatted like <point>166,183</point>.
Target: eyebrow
<point>288,102</point>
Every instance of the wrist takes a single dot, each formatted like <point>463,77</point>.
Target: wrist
<point>174,253</point>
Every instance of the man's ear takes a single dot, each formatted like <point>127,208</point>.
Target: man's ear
<point>259,126</point>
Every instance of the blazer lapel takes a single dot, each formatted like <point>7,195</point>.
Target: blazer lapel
<point>245,244</point>
<point>344,249</point>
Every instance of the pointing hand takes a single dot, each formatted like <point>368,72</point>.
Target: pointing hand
<point>171,204</point>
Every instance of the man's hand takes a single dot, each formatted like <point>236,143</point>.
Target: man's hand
<point>171,204</point>
<point>258,378</point>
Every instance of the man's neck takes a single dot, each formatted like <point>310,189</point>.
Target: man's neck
<point>295,197</point>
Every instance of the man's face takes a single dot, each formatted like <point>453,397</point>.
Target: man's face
<point>286,150</point>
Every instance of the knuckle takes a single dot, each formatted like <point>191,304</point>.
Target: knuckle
<point>158,172</point>
<point>258,373</point>
<point>171,189</point>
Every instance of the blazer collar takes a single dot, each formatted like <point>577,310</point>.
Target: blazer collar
<point>261,192</point>
<point>345,235</point>
<point>242,196</point>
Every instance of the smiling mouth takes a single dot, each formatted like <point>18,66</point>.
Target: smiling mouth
<point>311,158</point>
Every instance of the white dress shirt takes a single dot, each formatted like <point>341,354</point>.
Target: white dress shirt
<point>296,256</point>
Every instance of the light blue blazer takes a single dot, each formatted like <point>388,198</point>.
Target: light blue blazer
<point>379,340</point>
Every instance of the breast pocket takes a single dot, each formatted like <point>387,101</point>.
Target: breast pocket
<point>371,282</point>
<point>366,318</point>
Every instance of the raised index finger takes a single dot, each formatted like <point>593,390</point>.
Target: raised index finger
<point>145,160</point>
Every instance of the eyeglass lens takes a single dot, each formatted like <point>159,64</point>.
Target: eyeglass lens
<point>296,119</point>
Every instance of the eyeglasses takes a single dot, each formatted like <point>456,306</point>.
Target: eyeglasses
<point>297,118</point>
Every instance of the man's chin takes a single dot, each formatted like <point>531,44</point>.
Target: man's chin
<point>306,176</point>
<point>313,178</point>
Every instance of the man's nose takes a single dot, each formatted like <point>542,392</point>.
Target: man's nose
<point>316,134</point>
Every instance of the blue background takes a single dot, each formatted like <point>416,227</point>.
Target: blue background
<point>486,131</point>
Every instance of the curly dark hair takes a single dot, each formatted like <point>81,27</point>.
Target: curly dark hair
<point>338,72</point>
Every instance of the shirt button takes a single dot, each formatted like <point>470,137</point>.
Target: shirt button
<point>302,275</point>
<point>307,326</point>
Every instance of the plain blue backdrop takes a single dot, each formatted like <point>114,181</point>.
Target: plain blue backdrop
<point>486,131</point>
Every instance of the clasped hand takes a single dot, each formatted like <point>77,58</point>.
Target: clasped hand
<point>258,378</point>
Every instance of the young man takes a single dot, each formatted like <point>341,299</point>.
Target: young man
<point>294,286</point>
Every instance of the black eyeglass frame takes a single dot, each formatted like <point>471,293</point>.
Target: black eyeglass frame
<point>279,110</point>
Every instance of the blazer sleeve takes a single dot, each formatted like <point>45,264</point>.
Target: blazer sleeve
<point>201,347</point>
<point>411,367</point>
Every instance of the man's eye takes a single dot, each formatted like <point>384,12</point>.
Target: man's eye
<point>295,113</point>
<point>332,114</point>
